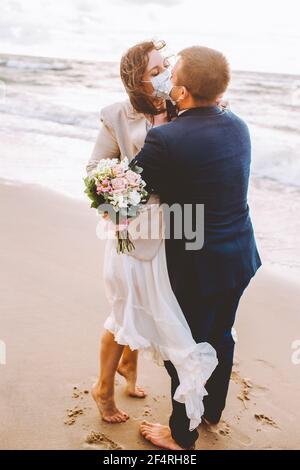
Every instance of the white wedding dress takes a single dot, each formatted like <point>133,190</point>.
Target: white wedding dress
<point>145,315</point>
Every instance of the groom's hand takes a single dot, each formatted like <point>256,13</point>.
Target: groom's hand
<point>223,104</point>
<point>152,158</point>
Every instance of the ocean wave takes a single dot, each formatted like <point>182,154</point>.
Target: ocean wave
<point>34,65</point>
<point>67,116</point>
<point>286,128</point>
<point>51,130</point>
<point>27,63</point>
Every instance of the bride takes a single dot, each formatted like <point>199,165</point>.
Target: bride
<point>145,314</point>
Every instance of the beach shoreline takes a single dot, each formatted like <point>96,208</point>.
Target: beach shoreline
<point>53,310</point>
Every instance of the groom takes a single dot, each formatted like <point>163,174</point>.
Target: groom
<point>203,157</point>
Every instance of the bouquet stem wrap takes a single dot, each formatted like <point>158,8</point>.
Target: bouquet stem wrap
<point>124,244</point>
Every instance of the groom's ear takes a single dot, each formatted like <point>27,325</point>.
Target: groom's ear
<point>186,92</point>
<point>179,93</point>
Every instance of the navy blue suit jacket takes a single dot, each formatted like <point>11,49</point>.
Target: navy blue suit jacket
<point>203,157</point>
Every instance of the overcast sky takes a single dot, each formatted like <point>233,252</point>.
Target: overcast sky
<point>254,34</point>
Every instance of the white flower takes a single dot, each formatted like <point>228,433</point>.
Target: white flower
<point>106,163</point>
<point>123,202</point>
<point>134,197</point>
<point>119,200</point>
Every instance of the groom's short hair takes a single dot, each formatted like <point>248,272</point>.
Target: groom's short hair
<point>204,72</point>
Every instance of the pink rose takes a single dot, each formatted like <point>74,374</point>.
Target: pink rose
<point>104,187</point>
<point>119,185</point>
<point>118,170</point>
<point>133,178</point>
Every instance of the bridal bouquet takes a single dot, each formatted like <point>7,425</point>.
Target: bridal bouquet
<point>119,191</point>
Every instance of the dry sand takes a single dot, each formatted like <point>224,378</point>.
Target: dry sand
<point>52,311</point>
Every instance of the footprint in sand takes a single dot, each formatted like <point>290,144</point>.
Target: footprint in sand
<point>263,419</point>
<point>265,363</point>
<point>222,429</point>
<point>77,393</point>
<point>147,411</point>
<point>72,415</point>
<point>259,391</point>
<point>235,376</point>
<point>248,388</point>
<point>99,441</point>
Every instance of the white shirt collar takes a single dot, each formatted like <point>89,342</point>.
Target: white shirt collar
<point>182,111</point>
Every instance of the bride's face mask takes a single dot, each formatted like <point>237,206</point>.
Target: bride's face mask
<point>158,74</point>
<point>162,85</point>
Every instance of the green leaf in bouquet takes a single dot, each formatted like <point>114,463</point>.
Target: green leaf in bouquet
<point>138,169</point>
<point>132,211</point>
<point>86,180</point>
<point>91,192</point>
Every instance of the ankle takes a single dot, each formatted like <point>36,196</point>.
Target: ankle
<point>128,367</point>
<point>103,391</point>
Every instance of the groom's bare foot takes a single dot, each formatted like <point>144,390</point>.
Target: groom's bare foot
<point>159,435</point>
<point>130,376</point>
<point>107,407</point>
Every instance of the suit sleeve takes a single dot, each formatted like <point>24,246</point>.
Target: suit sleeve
<point>152,158</point>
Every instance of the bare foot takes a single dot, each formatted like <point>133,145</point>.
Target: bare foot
<point>130,376</point>
<point>159,435</point>
<point>107,407</point>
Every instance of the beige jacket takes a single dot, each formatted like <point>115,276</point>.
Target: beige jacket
<point>122,133</point>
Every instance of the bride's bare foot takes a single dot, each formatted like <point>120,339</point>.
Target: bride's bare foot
<point>130,376</point>
<point>159,435</point>
<point>107,407</point>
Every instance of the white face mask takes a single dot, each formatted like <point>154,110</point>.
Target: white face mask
<point>162,85</point>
